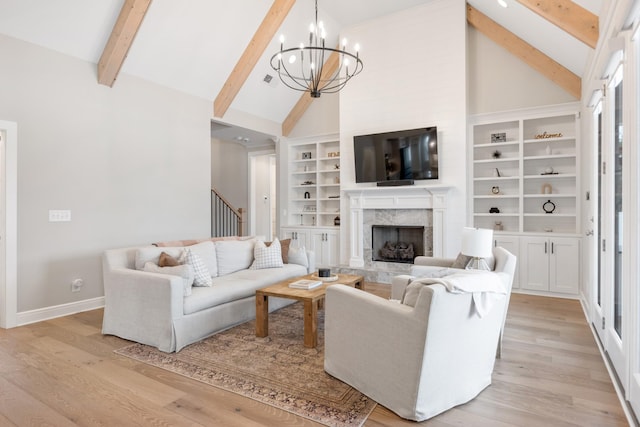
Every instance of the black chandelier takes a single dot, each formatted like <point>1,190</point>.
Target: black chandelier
<point>301,68</point>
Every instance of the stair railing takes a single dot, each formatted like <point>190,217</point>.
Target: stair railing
<point>225,219</point>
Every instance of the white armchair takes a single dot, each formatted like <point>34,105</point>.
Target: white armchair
<point>417,361</point>
<point>503,261</point>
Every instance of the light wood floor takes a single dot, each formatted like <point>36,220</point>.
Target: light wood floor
<point>63,372</point>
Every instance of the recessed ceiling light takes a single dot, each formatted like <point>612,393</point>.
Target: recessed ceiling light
<point>503,3</point>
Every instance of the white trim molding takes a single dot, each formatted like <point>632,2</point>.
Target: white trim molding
<point>46,313</point>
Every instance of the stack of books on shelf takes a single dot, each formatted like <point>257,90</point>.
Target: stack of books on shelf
<point>305,284</point>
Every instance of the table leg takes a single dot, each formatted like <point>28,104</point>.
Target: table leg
<point>262,315</point>
<point>310,324</point>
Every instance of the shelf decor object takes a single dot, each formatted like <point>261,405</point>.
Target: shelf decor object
<point>499,137</point>
<point>477,243</point>
<point>548,207</point>
<point>302,68</point>
<point>545,135</point>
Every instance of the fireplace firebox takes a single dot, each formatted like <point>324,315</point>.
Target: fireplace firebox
<point>397,243</point>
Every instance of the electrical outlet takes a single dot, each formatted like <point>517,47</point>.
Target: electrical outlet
<point>76,285</point>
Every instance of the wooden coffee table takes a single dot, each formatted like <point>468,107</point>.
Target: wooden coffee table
<point>311,298</point>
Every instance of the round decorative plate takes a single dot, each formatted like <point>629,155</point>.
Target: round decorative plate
<point>325,279</point>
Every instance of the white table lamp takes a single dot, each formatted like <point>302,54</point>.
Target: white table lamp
<point>477,243</point>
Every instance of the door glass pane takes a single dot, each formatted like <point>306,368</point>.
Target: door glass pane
<point>599,208</point>
<point>617,291</point>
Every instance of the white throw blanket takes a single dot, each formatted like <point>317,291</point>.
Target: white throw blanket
<point>486,287</point>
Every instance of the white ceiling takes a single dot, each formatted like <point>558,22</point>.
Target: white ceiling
<point>193,45</point>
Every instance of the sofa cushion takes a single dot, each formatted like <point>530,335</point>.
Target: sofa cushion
<point>201,274</point>
<point>234,255</point>
<point>238,285</point>
<point>267,256</point>
<point>184,271</point>
<point>298,255</point>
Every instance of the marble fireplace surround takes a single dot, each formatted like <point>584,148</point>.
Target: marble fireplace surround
<point>362,200</point>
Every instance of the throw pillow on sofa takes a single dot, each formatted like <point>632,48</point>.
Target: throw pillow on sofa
<point>284,245</point>
<point>234,255</point>
<point>207,253</point>
<point>462,261</point>
<point>201,275</point>
<point>167,260</point>
<point>298,255</point>
<point>267,256</point>
<point>184,271</point>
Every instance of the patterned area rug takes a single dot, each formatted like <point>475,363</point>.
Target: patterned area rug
<point>277,370</point>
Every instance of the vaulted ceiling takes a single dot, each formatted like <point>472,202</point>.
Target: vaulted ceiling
<point>220,50</point>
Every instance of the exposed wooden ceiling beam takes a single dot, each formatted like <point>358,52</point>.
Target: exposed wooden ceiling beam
<point>569,16</point>
<point>529,54</point>
<point>120,40</point>
<point>264,34</point>
<point>328,70</point>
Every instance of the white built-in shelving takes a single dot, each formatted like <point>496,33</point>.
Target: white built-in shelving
<point>525,185</point>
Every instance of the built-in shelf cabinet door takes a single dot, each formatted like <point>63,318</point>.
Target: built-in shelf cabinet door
<point>564,266</point>
<point>534,252</point>
<point>299,236</point>
<point>325,247</point>
<point>550,264</point>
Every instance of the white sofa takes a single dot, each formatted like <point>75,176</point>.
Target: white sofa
<point>152,308</point>
<point>417,358</point>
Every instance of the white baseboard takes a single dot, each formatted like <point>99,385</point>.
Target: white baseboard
<point>33,316</point>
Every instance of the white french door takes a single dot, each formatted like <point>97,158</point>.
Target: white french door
<point>8,223</point>
<point>612,278</point>
<point>611,185</point>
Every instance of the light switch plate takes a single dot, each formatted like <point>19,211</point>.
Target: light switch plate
<point>59,215</point>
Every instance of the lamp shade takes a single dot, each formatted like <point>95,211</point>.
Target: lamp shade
<point>477,242</point>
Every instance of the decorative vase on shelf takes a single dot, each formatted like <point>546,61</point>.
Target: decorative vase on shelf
<point>336,220</point>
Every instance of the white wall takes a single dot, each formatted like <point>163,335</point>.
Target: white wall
<point>500,81</point>
<point>132,163</point>
<point>414,76</point>
<point>321,118</point>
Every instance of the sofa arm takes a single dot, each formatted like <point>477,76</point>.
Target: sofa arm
<point>399,284</point>
<point>141,306</point>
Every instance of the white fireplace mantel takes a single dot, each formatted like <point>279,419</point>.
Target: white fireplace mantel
<point>404,197</point>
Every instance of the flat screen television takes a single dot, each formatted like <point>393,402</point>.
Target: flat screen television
<point>401,156</point>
